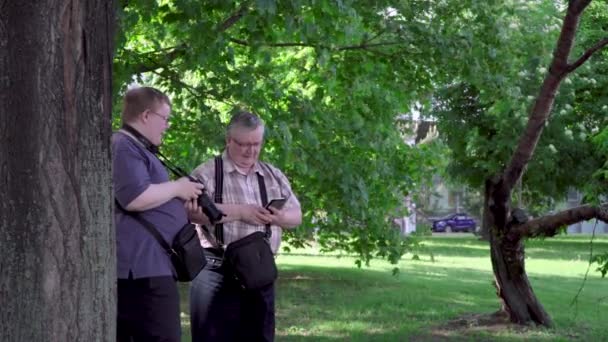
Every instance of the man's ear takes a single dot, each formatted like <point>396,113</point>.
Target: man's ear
<point>144,116</point>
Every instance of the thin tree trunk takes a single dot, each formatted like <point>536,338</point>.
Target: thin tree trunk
<point>507,253</point>
<point>57,242</point>
<point>508,227</point>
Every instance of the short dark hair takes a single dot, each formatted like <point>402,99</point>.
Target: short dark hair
<point>139,99</point>
<point>244,119</point>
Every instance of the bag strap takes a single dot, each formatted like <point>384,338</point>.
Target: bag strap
<point>219,189</point>
<point>149,227</point>
<point>264,196</point>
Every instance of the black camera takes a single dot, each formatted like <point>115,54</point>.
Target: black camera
<point>209,208</point>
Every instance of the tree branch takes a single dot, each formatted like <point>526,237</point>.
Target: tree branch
<point>236,16</point>
<point>376,36</point>
<point>365,46</point>
<point>545,99</point>
<point>598,46</point>
<point>152,60</point>
<point>578,6</point>
<point>549,224</point>
<point>245,43</point>
<point>362,46</point>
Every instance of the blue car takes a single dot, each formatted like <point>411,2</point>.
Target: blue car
<point>458,222</point>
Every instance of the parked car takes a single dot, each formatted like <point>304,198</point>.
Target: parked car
<point>458,222</point>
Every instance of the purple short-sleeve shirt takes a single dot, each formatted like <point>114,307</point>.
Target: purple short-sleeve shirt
<point>138,253</point>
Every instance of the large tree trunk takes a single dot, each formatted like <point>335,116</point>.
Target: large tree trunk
<point>57,242</point>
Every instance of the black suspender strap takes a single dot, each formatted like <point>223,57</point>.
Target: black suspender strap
<point>219,188</point>
<point>264,196</point>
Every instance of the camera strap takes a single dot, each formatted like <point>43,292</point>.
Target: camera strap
<point>141,138</point>
<point>176,170</point>
<point>219,188</point>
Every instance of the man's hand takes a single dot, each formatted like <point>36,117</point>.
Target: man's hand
<point>195,212</point>
<point>255,214</point>
<point>188,190</point>
<point>277,216</point>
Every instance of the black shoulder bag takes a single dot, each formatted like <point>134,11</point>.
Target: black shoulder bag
<point>186,252</point>
<point>249,259</point>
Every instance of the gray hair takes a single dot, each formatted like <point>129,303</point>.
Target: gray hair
<point>244,119</point>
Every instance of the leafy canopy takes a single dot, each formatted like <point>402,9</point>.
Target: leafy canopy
<point>329,79</point>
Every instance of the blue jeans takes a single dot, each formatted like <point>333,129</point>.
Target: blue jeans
<point>220,310</point>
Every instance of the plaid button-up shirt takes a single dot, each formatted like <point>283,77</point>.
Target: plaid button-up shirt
<point>244,189</point>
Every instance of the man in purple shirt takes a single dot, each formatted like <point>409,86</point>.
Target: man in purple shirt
<point>148,299</point>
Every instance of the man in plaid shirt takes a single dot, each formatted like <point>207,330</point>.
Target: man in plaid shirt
<point>220,309</point>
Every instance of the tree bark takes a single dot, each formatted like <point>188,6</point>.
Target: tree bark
<point>57,242</point>
<point>512,285</point>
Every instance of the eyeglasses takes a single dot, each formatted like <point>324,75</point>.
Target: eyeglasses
<point>247,145</point>
<point>165,118</point>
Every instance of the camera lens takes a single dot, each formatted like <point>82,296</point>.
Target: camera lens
<point>209,208</point>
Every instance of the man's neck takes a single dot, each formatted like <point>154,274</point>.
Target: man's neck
<point>245,170</point>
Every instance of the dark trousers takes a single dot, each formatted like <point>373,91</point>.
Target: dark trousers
<point>220,310</point>
<point>148,310</point>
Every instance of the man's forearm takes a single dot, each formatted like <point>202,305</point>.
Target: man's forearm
<point>291,218</point>
<point>248,213</point>
<point>230,210</point>
<point>153,196</point>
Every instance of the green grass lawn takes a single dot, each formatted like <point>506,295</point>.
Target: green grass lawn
<point>326,298</point>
